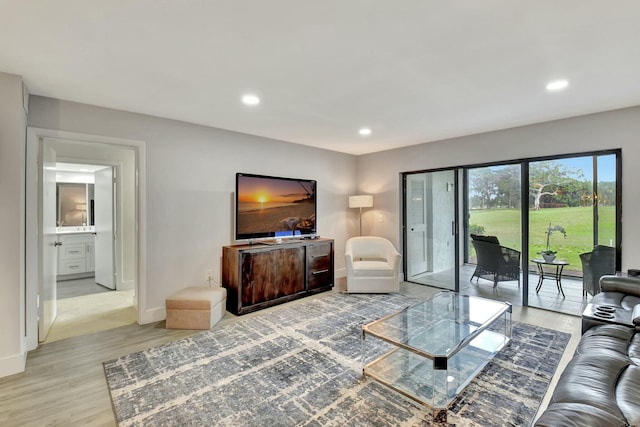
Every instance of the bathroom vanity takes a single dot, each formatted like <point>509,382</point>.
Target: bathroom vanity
<point>76,255</point>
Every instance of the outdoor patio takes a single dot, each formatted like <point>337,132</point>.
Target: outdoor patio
<point>548,298</point>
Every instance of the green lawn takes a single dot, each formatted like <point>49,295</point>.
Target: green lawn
<point>578,222</point>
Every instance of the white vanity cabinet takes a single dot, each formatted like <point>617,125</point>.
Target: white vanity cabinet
<point>76,255</point>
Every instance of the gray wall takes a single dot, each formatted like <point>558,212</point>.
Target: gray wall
<point>12,152</point>
<point>379,173</point>
<point>190,180</point>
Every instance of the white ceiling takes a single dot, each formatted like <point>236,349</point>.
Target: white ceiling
<point>413,71</point>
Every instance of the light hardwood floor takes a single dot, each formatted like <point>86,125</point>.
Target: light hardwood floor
<point>64,383</point>
<point>86,314</point>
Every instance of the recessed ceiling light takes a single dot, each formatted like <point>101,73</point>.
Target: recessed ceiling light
<point>364,131</point>
<point>557,85</point>
<point>251,100</point>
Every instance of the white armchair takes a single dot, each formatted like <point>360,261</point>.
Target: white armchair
<point>373,265</point>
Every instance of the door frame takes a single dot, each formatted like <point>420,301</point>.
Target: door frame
<point>455,226</point>
<point>32,226</point>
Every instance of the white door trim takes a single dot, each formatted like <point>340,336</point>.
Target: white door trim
<point>31,220</point>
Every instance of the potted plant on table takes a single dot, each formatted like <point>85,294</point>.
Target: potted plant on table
<point>548,254</point>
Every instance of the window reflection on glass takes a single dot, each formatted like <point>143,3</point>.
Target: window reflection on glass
<point>494,205</point>
<point>606,199</point>
<point>577,194</point>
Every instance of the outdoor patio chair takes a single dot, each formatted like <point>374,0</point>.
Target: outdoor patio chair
<point>495,262</point>
<point>595,264</point>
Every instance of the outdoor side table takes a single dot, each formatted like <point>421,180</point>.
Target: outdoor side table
<point>555,272</point>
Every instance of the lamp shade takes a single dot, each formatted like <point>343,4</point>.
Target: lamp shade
<point>362,201</point>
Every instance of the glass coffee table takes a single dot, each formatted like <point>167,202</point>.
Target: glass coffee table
<point>436,347</point>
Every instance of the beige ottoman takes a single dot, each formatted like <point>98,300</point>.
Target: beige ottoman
<point>196,308</point>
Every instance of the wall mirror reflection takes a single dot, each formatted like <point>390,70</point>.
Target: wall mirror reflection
<point>74,204</point>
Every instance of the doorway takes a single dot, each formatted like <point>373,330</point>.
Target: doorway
<point>431,206</point>
<point>123,156</point>
<point>87,298</point>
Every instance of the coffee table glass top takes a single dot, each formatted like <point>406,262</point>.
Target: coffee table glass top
<point>439,326</point>
<point>436,346</point>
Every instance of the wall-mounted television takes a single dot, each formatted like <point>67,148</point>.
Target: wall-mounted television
<point>269,207</point>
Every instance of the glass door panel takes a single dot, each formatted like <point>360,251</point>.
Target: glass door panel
<point>493,202</point>
<point>430,219</point>
<point>606,200</point>
<point>572,209</point>
<point>561,212</point>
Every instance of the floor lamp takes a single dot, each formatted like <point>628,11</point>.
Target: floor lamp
<point>362,201</point>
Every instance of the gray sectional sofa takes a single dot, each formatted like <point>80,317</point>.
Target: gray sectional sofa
<point>601,384</point>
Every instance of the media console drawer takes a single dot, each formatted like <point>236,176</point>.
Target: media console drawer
<point>258,276</point>
<point>319,265</point>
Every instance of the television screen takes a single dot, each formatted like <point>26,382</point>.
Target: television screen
<point>274,207</point>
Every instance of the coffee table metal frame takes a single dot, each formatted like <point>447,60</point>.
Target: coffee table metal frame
<point>436,347</point>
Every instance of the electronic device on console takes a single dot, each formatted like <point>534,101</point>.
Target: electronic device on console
<point>270,209</point>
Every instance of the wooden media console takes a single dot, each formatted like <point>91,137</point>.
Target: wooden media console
<point>262,275</point>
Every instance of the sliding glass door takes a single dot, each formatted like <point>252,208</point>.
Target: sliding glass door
<point>573,208</point>
<point>431,228</point>
<point>567,205</point>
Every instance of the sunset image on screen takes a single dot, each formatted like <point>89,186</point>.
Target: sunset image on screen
<point>270,205</point>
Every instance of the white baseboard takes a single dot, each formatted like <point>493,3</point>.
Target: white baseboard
<point>14,364</point>
<point>152,315</point>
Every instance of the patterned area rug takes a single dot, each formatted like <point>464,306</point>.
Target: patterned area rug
<point>301,365</point>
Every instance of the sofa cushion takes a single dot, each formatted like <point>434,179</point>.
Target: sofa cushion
<point>613,298</point>
<point>577,415</point>
<point>634,349</point>
<point>627,393</point>
<point>629,302</point>
<point>591,380</point>
<point>606,338</point>
<point>619,299</point>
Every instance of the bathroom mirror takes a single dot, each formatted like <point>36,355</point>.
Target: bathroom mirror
<point>74,204</point>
